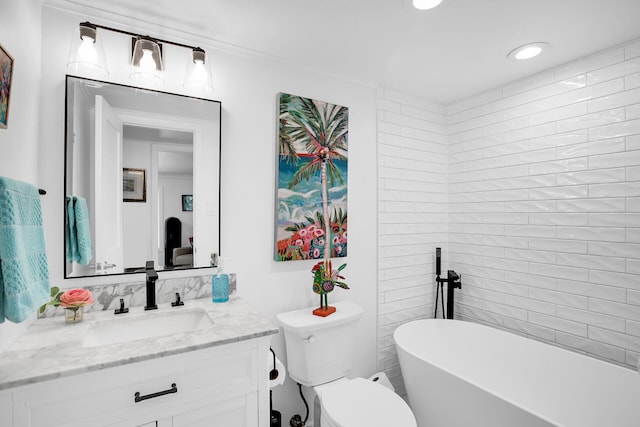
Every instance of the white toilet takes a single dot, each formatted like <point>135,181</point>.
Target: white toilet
<point>319,356</point>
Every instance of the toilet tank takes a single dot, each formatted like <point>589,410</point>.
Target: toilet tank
<point>319,349</point>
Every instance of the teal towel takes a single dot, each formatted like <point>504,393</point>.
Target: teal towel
<point>24,272</point>
<point>78,231</point>
<point>71,244</point>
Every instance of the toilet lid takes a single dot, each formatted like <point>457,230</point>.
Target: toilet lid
<point>361,402</point>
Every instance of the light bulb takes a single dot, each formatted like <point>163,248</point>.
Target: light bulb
<point>425,4</point>
<point>199,74</point>
<point>529,52</point>
<point>87,51</point>
<point>147,64</point>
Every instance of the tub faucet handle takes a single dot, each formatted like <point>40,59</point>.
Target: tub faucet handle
<point>454,279</point>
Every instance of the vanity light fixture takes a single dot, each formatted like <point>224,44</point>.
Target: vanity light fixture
<point>87,57</point>
<point>527,51</point>
<point>87,54</point>
<point>425,4</point>
<point>146,60</point>
<point>198,76</point>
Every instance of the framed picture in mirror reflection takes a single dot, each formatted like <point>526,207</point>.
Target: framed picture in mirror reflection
<point>187,202</point>
<point>134,185</point>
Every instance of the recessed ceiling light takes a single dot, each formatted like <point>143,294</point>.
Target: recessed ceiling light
<point>425,4</point>
<point>528,51</point>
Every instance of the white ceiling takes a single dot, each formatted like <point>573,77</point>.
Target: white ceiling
<point>443,55</point>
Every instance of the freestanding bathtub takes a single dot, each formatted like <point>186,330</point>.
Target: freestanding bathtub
<point>463,374</point>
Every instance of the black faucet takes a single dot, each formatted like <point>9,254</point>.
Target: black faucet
<point>152,276</point>
<point>453,281</point>
<point>122,309</point>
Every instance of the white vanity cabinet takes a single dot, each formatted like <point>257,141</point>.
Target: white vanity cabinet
<point>224,385</point>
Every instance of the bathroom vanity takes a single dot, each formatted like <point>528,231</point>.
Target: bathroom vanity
<point>97,374</point>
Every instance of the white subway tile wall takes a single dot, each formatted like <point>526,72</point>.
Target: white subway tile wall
<point>574,205</point>
<point>533,192</point>
<point>412,214</point>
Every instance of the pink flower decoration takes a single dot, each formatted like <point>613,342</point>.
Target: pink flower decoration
<point>303,233</point>
<point>311,228</point>
<point>316,253</point>
<point>299,242</point>
<point>318,232</point>
<point>338,250</point>
<point>336,240</point>
<point>75,298</point>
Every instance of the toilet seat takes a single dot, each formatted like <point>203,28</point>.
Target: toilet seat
<point>360,402</point>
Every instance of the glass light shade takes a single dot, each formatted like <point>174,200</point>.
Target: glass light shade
<point>199,76</point>
<point>425,4</point>
<point>86,56</point>
<point>146,61</point>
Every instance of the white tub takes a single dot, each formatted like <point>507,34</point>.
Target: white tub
<point>462,374</point>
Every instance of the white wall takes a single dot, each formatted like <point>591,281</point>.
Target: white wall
<point>136,216</point>
<point>247,86</point>
<point>544,194</point>
<point>248,91</point>
<point>412,215</point>
<point>20,36</point>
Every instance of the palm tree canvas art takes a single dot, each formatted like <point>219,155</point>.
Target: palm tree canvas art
<point>311,217</point>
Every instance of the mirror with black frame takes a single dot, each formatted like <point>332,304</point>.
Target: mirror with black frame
<point>142,179</point>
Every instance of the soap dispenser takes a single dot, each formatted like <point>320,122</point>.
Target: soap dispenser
<point>220,284</point>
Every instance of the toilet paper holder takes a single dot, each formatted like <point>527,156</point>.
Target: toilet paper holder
<point>273,374</point>
<point>275,416</point>
<point>277,372</point>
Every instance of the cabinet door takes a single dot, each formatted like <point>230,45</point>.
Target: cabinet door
<point>236,412</point>
<point>216,386</point>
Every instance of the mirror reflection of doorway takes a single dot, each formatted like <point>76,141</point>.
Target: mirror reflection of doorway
<point>168,156</point>
<point>175,179</point>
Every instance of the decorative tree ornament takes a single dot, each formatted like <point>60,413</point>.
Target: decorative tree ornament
<point>325,279</point>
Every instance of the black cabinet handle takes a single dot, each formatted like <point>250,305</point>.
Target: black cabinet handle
<point>139,398</point>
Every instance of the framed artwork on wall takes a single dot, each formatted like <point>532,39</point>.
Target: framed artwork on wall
<point>134,185</point>
<point>6,72</point>
<point>187,202</point>
<point>311,205</point>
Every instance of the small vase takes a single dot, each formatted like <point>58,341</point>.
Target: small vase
<point>74,314</point>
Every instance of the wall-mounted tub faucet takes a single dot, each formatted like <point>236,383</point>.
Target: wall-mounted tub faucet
<point>152,276</point>
<point>453,281</point>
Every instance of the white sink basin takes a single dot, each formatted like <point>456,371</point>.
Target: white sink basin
<point>146,325</point>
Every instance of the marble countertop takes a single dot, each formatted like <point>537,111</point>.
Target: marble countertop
<point>51,348</point>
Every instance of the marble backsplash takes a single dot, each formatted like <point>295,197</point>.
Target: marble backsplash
<point>107,297</point>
